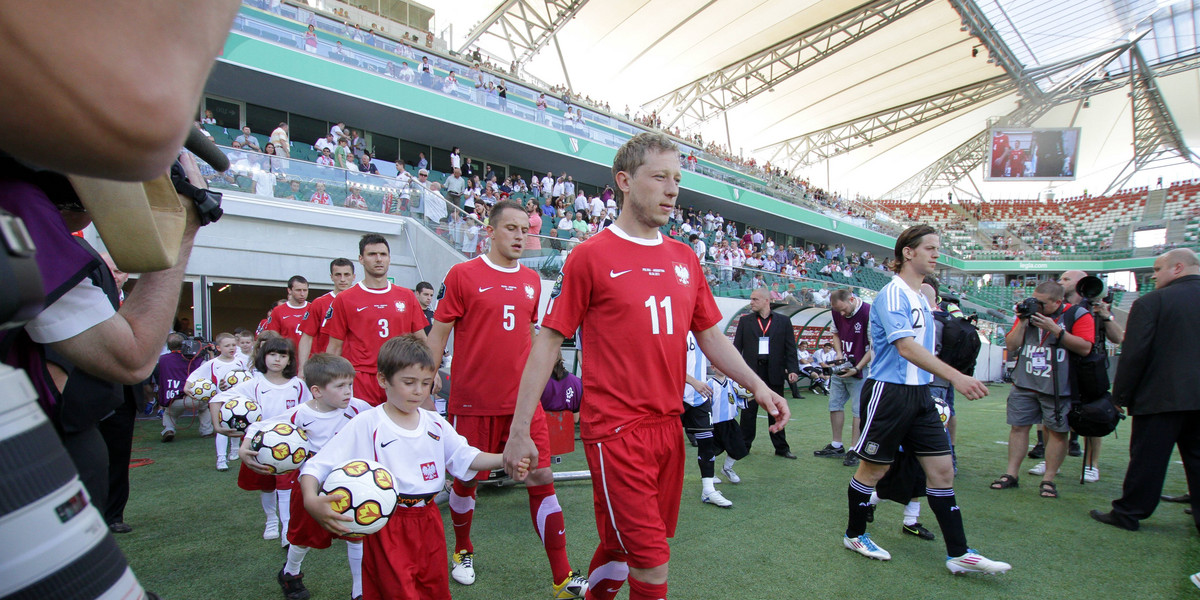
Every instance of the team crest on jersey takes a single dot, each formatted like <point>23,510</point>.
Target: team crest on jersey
<point>529,291</point>
<point>858,328</point>
<point>871,448</point>
<point>682,274</point>
<point>429,471</point>
<point>441,291</point>
<point>400,305</point>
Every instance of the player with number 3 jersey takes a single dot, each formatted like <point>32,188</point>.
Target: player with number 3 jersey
<point>369,314</point>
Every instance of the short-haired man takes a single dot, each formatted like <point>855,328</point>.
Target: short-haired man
<point>767,344</point>
<point>314,339</point>
<point>635,295</point>
<point>365,316</point>
<point>851,341</point>
<point>286,318</point>
<point>491,302</point>
<point>424,292</point>
<point>1158,382</point>
<point>1041,391</point>
<point>900,411</point>
<point>248,140</point>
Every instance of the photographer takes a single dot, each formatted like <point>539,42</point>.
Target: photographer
<point>1108,329</point>
<point>118,106</point>
<point>1041,391</point>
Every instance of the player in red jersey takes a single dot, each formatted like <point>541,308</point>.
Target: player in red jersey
<point>313,337</point>
<point>262,325</point>
<point>285,318</point>
<point>365,316</point>
<point>1016,163</point>
<point>635,295</point>
<point>491,303</point>
<point>1001,153</point>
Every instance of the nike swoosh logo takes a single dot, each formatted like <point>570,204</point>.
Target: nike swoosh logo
<point>482,290</point>
<point>361,308</point>
<point>616,274</point>
<point>309,423</point>
<point>613,590</point>
<point>562,532</point>
<point>384,445</point>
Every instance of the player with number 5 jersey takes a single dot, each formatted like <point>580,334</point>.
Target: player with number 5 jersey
<point>369,314</point>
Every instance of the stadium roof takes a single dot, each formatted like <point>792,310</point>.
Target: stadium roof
<point>762,72</point>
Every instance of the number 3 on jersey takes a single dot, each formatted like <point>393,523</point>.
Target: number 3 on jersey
<point>653,304</point>
<point>383,328</point>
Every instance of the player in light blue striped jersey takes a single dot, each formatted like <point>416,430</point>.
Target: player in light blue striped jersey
<point>898,410</point>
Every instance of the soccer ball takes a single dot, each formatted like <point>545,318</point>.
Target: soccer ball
<point>201,389</point>
<point>233,378</point>
<point>239,412</point>
<point>282,448</point>
<point>362,489</point>
<point>943,410</point>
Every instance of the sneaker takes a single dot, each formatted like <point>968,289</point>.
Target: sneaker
<point>233,456</point>
<point>864,546</point>
<point>1195,579</point>
<point>222,466</point>
<point>271,531</point>
<point>830,452</point>
<point>715,498</point>
<point>1038,452</point>
<point>851,459</point>
<point>918,530</point>
<point>167,436</point>
<point>574,586</point>
<point>293,586</point>
<point>717,480</point>
<point>1091,474</point>
<point>974,562</point>
<point>730,475</point>
<point>464,570</point>
<point>1074,449</point>
<point>1040,469</point>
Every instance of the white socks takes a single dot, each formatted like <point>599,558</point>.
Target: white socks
<point>912,512</point>
<point>295,556</point>
<point>285,514</point>
<point>268,506</point>
<point>222,448</point>
<point>707,485</point>
<point>729,462</point>
<point>355,552</point>
<point>835,444</point>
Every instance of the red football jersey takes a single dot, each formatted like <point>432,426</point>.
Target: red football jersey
<point>635,301</point>
<point>315,320</point>
<point>493,308</point>
<point>285,320</point>
<point>364,319</point>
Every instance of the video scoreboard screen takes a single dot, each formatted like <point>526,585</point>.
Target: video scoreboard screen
<point>1025,154</point>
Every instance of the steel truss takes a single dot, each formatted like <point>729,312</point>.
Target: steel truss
<point>526,26</point>
<point>738,82</point>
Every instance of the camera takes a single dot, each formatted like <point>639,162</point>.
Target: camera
<point>842,367</point>
<point>1028,307</point>
<point>1089,288</point>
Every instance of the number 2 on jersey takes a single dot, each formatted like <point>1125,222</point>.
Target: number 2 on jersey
<point>653,304</point>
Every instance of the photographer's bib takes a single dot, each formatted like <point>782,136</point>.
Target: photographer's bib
<point>1040,363</point>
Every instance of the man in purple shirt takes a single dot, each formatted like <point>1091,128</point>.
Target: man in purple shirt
<point>851,341</point>
<point>173,369</point>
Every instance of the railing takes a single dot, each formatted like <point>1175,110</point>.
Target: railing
<point>343,189</point>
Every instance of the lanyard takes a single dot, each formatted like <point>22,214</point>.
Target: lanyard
<point>768,326</point>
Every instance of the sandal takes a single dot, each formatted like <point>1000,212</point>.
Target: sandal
<point>1006,481</point>
<point>1048,490</point>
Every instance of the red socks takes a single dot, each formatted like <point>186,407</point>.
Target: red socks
<point>548,522</point>
<point>606,575</point>
<point>640,590</point>
<point>462,510</point>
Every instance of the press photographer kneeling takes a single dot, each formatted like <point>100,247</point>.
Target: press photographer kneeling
<point>1041,391</point>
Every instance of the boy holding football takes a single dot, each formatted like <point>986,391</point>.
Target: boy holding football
<point>406,559</point>
<point>330,379</point>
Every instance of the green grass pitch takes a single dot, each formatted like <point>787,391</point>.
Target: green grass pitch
<point>197,536</point>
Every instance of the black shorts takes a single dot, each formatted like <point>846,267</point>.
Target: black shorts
<point>727,437</point>
<point>697,418</point>
<point>895,414</point>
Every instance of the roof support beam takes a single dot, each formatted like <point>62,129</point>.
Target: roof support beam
<point>740,81</point>
<point>1156,136</point>
<point>525,25</point>
<point>978,25</point>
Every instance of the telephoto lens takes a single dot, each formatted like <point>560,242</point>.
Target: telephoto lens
<point>56,544</point>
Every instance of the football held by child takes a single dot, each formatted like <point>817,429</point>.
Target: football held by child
<point>406,559</point>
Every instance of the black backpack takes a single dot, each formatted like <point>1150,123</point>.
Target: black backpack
<point>960,342</point>
<point>1092,411</point>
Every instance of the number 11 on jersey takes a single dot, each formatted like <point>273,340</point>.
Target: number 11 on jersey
<point>653,304</point>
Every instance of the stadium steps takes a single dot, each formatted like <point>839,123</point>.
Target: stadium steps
<point>1155,201</point>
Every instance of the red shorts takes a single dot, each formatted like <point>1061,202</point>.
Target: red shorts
<point>406,560</point>
<point>367,388</point>
<point>490,433</point>
<point>303,530</point>
<point>254,482</point>
<point>637,480</point>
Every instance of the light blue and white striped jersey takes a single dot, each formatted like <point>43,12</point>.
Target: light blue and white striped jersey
<point>724,400</point>
<point>899,312</point>
<point>697,366</point>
